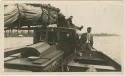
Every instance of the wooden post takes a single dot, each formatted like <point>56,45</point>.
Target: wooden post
<point>18,20</point>
<point>5,33</point>
<point>47,35</point>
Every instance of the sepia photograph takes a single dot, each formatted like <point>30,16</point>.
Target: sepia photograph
<point>63,36</point>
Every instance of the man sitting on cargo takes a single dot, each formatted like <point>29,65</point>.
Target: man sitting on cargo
<point>70,23</point>
<point>86,40</point>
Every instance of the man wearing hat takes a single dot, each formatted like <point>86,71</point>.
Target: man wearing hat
<point>86,40</point>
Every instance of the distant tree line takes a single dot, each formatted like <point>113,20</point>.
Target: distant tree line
<point>29,33</point>
<point>105,34</point>
<point>18,33</point>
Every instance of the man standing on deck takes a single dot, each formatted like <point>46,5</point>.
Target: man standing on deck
<point>86,40</point>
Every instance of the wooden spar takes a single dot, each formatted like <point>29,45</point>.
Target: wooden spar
<point>18,19</point>
<point>9,32</point>
<point>35,27</point>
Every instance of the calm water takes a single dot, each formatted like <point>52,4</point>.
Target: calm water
<point>111,46</point>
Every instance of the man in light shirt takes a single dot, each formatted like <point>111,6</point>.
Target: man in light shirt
<point>86,40</point>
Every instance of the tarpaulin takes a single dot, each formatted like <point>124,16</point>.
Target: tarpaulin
<point>29,15</point>
<point>10,14</point>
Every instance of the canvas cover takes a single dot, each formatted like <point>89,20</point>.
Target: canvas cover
<point>28,15</point>
<point>10,14</point>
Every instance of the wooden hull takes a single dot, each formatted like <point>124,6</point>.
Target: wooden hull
<point>50,59</point>
<point>100,63</point>
<point>53,60</point>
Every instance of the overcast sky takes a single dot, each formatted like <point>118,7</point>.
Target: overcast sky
<point>102,16</point>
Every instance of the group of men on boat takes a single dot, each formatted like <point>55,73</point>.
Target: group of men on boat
<point>87,37</point>
<point>83,43</point>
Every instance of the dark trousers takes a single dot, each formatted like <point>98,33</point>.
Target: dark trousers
<point>86,47</point>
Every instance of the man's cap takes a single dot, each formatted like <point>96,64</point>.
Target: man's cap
<point>88,27</point>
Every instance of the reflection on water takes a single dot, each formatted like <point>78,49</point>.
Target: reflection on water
<point>111,46</point>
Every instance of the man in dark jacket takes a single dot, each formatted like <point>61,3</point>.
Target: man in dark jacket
<point>86,40</point>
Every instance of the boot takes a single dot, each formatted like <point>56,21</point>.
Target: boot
<point>80,28</point>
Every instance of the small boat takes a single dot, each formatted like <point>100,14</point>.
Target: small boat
<point>59,56</point>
